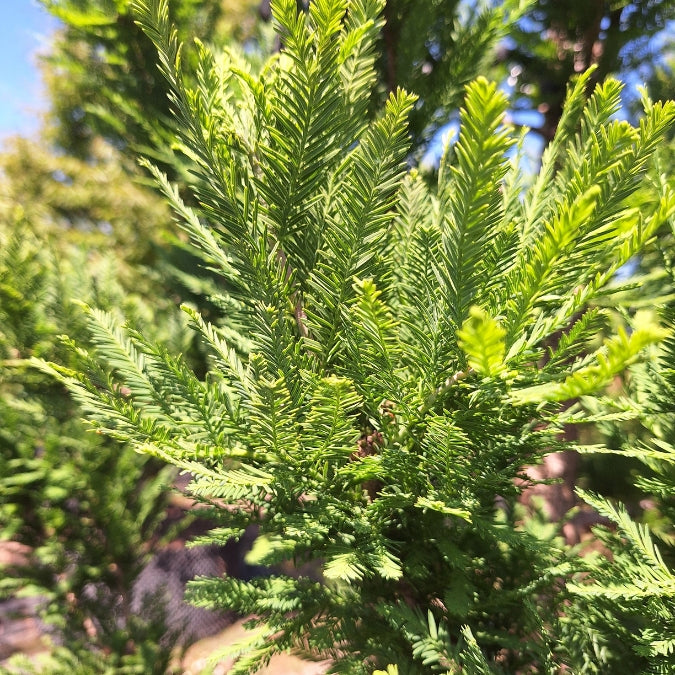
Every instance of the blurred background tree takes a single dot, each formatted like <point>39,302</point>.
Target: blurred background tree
<point>78,221</point>
<point>558,38</point>
<point>80,510</point>
<point>101,72</point>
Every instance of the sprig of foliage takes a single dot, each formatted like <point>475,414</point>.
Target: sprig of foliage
<point>378,420</point>
<point>633,596</point>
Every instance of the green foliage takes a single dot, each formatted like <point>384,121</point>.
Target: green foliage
<point>436,47</point>
<point>633,596</point>
<point>83,507</point>
<point>377,391</point>
<point>101,76</point>
<point>98,204</point>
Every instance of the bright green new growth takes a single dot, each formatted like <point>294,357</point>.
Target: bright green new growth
<point>377,390</point>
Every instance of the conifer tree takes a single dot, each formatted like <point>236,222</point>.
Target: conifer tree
<point>394,354</point>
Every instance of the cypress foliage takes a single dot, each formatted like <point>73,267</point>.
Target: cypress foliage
<point>395,354</point>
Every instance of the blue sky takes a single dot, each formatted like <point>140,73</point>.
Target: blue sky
<point>24,30</point>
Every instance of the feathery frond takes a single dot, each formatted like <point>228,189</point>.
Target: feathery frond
<point>395,354</point>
